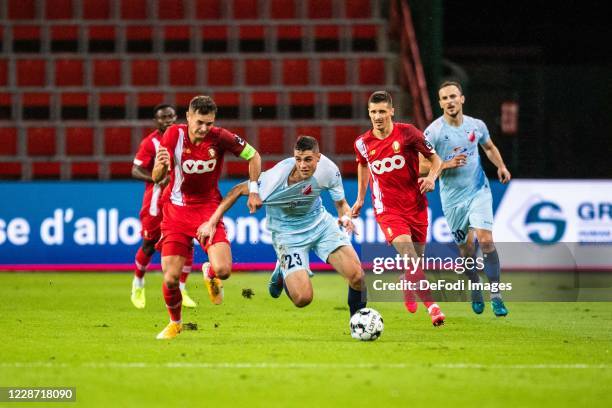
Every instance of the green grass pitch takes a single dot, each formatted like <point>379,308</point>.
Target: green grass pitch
<point>80,329</point>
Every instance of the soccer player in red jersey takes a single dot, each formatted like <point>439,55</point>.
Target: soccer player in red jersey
<point>193,156</point>
<point>150,213</point>
<point>388,155</point>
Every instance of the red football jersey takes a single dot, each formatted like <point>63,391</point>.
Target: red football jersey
<point>145,158</point>
<point>394,168</point>
<point>196,169</point>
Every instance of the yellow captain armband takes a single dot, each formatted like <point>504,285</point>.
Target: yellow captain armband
<point>248,152</point>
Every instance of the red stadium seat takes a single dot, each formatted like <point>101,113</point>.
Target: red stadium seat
<point>69,72</point>
<point>79,141</point>
<point>8,141</point>
<point>364,38</point>
<point>302,105</point>
<point>182,72</point>
<point>344,137</point>
<point>3,72</point>
<point>214,39</point>
<point>332,72</point>
<point>6,106</point>
<point>134,9</point>
<point>268,164</point>
<point>258,72</point>
<point>46,170</point>
<point>220,72</point>
<point>245,9</point>
<point>264,105</point>
<point>112,106</point>
<point>59,9</point>
<point>208,9</point>
<point>101,39</point>
<point>282,9</point>
<point>64,38</point>
<point>36,106</point>
<point>75,106</point>
<point>22,9</point>
<point>96,9</point>
<point>339,105</point>
<point>26,39</point>
<point>289,38</point>
<point>181,101</point>
<point>118,141</point>
<point>139,39</point>
<point>170,10</point>
<point>31,72</point>
<point>314,131</point>
<point>296,72</point>
<point>237,169</point>
<point>144,72</point>
<point>11,170</point>
<point>177,39</point>
<point>146,102</point>
<point>252,39</point>
<point>41,141</point>
<point>371,71</point>
<point>120,170</point>
<point>228,104</point>
<point>327,38</point>
<point>357,9</point>
<point>84,170</point>
<point>320,9</point>
<point>106,72</point>
<point>271,140</point>
<point>348,168</point>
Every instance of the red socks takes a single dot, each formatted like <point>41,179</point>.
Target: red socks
<point>424,294</point>
<point>174,301</point>
<point>142,261</point>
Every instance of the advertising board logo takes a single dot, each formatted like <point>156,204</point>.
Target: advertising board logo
<point>544,223</point>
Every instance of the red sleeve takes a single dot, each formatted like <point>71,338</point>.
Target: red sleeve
<point>145,156</point>
<point>359,158</point>
<point>231,142</point>
<point>414,139</point>
<point>169,141</point>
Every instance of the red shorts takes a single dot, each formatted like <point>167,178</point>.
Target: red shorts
<point>414,224</point>
<point>180,225</point>
<point>151,226</point>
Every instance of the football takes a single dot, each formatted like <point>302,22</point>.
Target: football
<point>366,324</point>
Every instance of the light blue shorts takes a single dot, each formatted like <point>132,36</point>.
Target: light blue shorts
<point>476,213</point>
<point>292,249</point>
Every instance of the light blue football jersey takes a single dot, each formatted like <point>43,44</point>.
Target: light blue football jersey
<point>460,184</point>
<point>298,207</point>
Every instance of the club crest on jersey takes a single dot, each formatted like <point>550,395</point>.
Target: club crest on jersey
<point>239,140</point>
<point>188,151</point>
<point>307,189</point>
<point>372,152</point>
<point>472,137</point>
<point>396,146</point>
<point>211,152</point>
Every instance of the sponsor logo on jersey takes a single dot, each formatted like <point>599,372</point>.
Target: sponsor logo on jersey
<point>199,166</point>
<point>388,164</point>
<point>396,146</point>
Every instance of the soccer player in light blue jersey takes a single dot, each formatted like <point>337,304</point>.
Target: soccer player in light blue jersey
<point>295,215</point>
<point>464,189</point>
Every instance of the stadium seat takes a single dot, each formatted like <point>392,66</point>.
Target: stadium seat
<point>46,170</point>
<point>271,140</point>
<point>26,39</point>
<point>364,38</point>
<point>268,164</point>
<point>22,9</point>
<point>101,39</point>
<point>258,72</point>
<point>134,9</point>
<point>139,39</point>
<point>120,170</point>
<point>332,72</point>
<point>344,138</point>
<point>228,104</point>
<point>6,106</point>
<point>59,9</point>
<point>245,9</point>
<point>208,9</point>
<point>339,105</point>
<point>296,72</point>
<point>2,38</point>
<point>84,170</point>
<point>252,39</point>
<point>214,39</point>
<point>237,169</point>
<point>146,102</point>
<point>289,38</point>
<point>41,141</point>
<point>240,131</point>
<point>354,9</point>
<point>106,72</point>
<point>177,39</point>
<point>182,72</point>
<point>96,9</point>
<point>3,72</point>
<point>112,106</point>
<point>31,72</point>
<point>327,38</point>
<point>69,72</point>
<point>74,106</point>
<point>348,168</point>
<point>264,105</point>
<point>144,72</point>
<point>170,10</point>
<point>181,101</point>
<point>118,141</point>
<point>314,131</point>
<point>371,71</point>
<point>320,9</point>
<point>64,38</point>
<point>10,171</point>
<point>302,105</point>
<point>282,9</point>
<point>220,72</point>
<point>8,141</point>
<point>79,141</point>
<point>36,106</point>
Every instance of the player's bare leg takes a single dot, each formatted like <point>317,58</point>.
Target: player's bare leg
<point>405,247</point>
<point>492,269</point>
<point>299,288</point>
<point>468,250</point>
<point>172,266</point>
<point>217,269</point>
<point>346,262</point>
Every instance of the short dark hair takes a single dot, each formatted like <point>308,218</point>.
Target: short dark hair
<point>451,83</point>
<point>161,106</point>
<point>203,105</point>
<point>304,143</point>
<point>381,96</point>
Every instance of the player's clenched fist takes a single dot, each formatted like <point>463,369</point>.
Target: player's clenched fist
<point>162,156</point>
<point>457,161</point>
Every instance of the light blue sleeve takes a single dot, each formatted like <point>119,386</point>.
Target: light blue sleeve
<point>331,179</point>
<point>484,132</point>
<point>431,135</point>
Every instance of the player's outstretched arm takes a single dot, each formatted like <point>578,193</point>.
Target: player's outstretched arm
<point>162,163</point>
<point>140,173</point>
<point>428,183</point>
<point>494,156</point>
<point>363,177</point>
<point>207,229</point>
<point>254,201</point>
